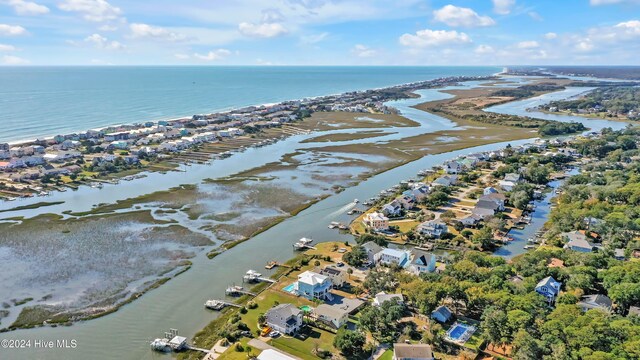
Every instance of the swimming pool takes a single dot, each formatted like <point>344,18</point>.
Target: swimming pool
<point>290,288</point>
<point>306,308</point>
<point>460,333</point>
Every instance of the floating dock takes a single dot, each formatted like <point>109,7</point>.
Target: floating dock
<point>253,276</point>
<point>236,290</point>
<point>218,305</point>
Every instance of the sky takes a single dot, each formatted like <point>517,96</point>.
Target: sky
<point>319,32</point>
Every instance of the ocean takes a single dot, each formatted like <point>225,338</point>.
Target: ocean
<point>37,102</point>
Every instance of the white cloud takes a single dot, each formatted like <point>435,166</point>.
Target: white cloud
<point>484,49</point>
<point>182,56</point>
<point>363,51</point>
<point>154,32</point>
<point>427,37</point>
<point>264,30</point>
<point>314,38</point>
<point>528,45</point>
<point>12,30</point>
<point>584,46</point>
<point>459,16</point>
<point>610,2</point>
<point>214,55</point>
<point>550,36</point>
<point>92,10</point>
<point>535,16</point>
<point>631,28</point>
<point>108,28</point>
<point>14,60</point>
<point>22,7</point>
<point>5,48</point>
<point>102,42</point>
<point>503,7</point>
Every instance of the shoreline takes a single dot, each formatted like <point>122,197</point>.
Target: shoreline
<point>174,119</point>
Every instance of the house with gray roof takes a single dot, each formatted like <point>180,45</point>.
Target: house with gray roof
<point>412,352</point>
<point>422,262</point>
<point>442,314</point>
<point>548,287</point>
<point>578,241</point>
<point>285,318</point>
<point>373,251</point>
<point>597,301</point>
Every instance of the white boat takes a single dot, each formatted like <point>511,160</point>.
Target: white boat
<point>11,199</point>
<point>356,201</point>
<point>305,241</point>
<point>214,305</point>
<point>161,345</point>
<point>252,275</point>
<point>333,225</point>
<point>527,247</point>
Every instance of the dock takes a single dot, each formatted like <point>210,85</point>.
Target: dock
<point>238,290</point>
<point>173,342</point>
<point>253,276</point>
<point>218,305</point>
<point>272,264</point>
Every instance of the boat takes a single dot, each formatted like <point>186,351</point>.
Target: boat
<point>333,225</point>
<point>528,247</point>
<point>234,289</point>
<point>343,227</point>
<point>214,305</point>
<point>355,201</point>
<point>11,199</point>
<point>305,241</point>
<point>161,345</point>
<point>366,203</point>
<point>96,185</point>
<point>251,275</point>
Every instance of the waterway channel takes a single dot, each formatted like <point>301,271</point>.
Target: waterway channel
<point>126,333</point>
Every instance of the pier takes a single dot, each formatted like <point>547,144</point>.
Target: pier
<point>238,290</point>
<point>254,276</point>
<point>173,342</point>
<point>218,305</point>
<point>272,264</point>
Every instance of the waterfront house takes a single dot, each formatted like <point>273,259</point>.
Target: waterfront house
<point>408,202</point>
<point>433,228</point>
<point>412,352</point>
<point>418,193</point>
<point>445,181</point>
<point>548,287</point>
<point>338,276</point>
<point>578,241</point>
<point>453,167</point>
<point>597,301</point>
<point>506,185</point>
<point>285,318</point>
<point>334,316</point>
<point>373,251</point>
<point>393,257</point>
<point>383,297</point>
<point>422,262</point>
<point>442,314</point>
<point>498,199</point>
<point>392,209</point>
<point>313,285</point>
<point>376,221</point>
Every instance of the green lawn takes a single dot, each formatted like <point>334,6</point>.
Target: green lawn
<point>388,355</point>
<point>304,349</point>
<point>233,354</point>
<point>266,300</point>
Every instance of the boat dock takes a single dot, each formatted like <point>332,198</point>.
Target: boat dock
<point>173,342</point>
<point>254,276</point>
<point>236,290</point>
<point>218,305</point>
<point>272,264</point>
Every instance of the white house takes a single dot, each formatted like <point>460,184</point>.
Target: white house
<point>394,257</point>
<point>383,297</point>
<point>433,228</point>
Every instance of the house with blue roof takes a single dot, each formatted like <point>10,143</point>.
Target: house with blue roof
<point>549,287</point>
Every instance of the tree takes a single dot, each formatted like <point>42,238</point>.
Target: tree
<point>350,343</point>
<point>378,239</point>
<point>525,347</point>
<point>382,321</point>
<point>494,325</point>
<point>356,257</point>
